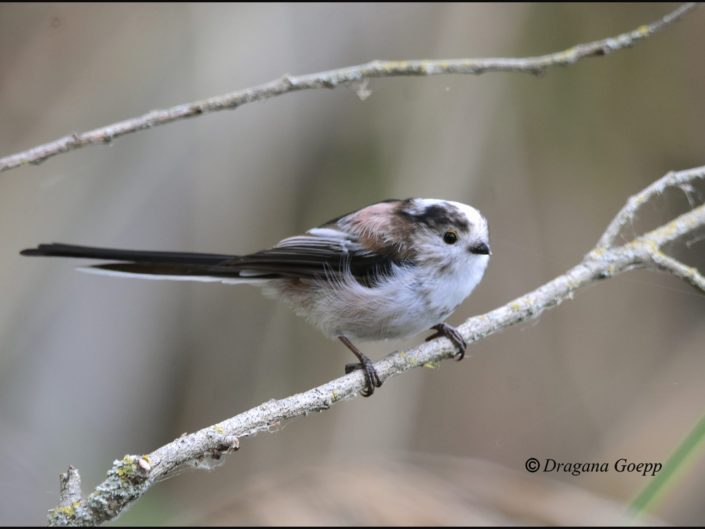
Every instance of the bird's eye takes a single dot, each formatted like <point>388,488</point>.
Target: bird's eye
<point>450,237</point>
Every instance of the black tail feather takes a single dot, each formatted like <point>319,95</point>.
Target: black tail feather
<point>134,256</point>
<point>181,270</point>
<point>141,262</point>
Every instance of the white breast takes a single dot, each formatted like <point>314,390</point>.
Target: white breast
<point>412,300</point>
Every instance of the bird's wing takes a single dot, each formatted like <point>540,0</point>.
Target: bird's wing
<point>322,252</point>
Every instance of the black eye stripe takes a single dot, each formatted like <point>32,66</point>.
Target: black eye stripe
<point>438,217</point>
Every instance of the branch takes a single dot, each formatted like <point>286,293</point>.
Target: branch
<point>688,274</point>
<point>132,476</point>
<point>335,78</point>
<point>681,179</point>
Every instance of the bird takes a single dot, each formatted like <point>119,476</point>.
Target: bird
<point>392,269</point>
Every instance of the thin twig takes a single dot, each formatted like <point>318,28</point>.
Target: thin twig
<point>340,77</point>
<point>132,476</point>
<point>689,274</point>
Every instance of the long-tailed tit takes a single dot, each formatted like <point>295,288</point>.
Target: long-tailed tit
<point>389,270</point>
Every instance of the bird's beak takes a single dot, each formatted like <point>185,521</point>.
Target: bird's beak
<point>481,248</point>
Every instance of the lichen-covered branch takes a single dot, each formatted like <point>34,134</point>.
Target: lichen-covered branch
<point>133,475</point>
<point>352,75</point>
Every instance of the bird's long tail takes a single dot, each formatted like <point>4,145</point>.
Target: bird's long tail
<point>158,265</point>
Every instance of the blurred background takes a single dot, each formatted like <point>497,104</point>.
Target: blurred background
<point>92,368</point>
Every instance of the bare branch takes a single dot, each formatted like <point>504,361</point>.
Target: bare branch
<point>340,77</point>
<point>678,269</point>
<point>628,212</point>
<point>678,228</point>
<point>134,475</point>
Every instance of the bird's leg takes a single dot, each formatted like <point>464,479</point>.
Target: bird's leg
<point>371,376</point>
<point>447,331</point>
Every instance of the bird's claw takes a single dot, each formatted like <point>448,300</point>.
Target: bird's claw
<point>447,331</point>
<point>372,380</point>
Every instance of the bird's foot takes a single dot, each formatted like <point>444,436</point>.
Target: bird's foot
<point>447,331</point>
<point>372,379</point>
